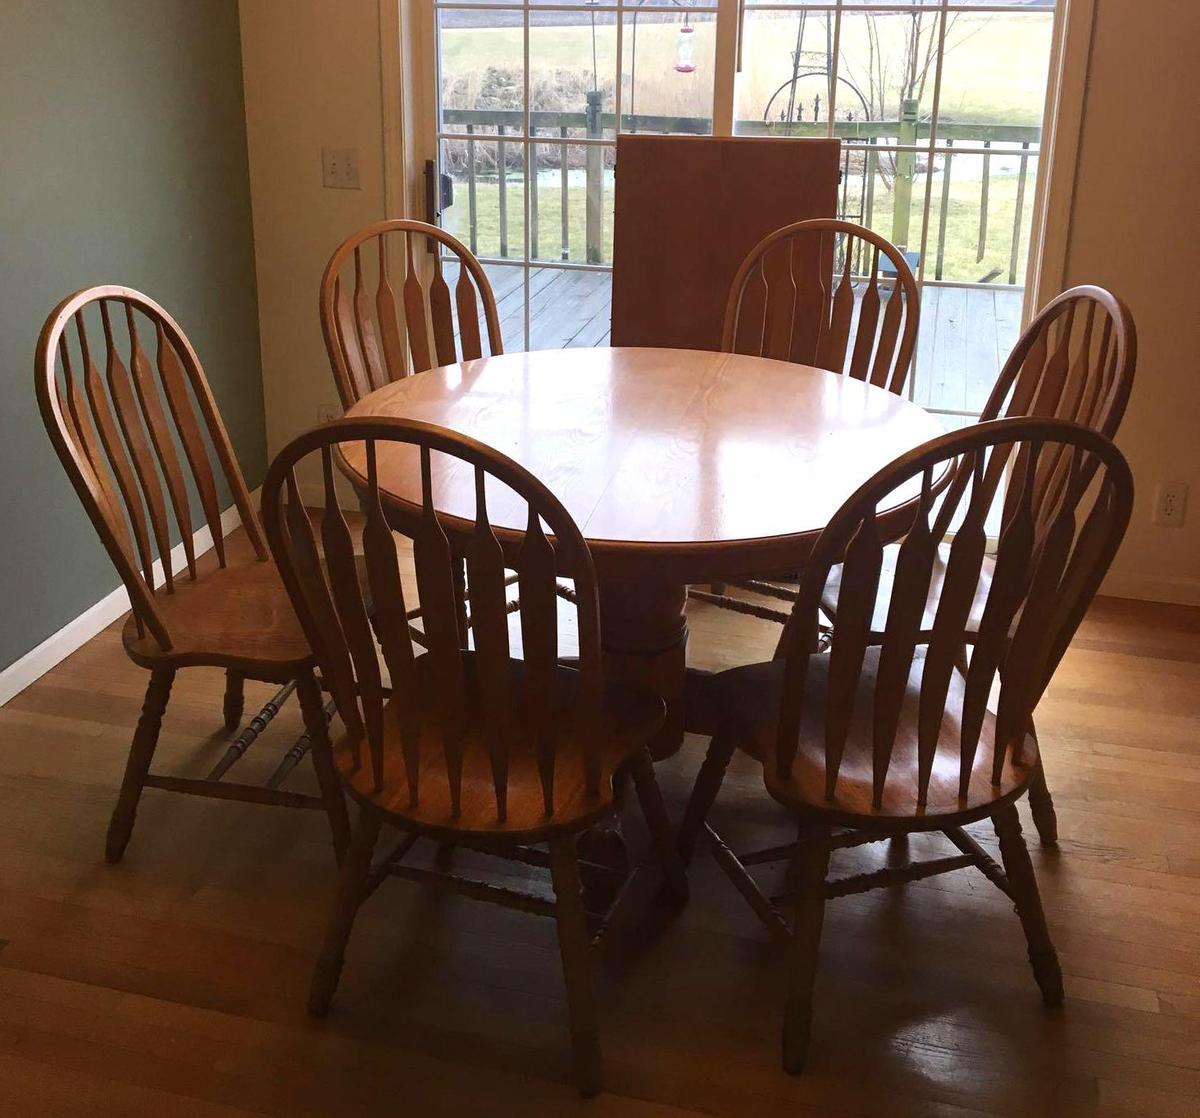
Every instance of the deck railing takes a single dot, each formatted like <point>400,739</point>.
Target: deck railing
<point>561,129</point>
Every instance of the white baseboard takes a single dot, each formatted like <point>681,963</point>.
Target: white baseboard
<point>1148,588</point>
<point>57,647</point>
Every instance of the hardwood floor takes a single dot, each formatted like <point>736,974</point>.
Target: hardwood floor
<point>175,982</point>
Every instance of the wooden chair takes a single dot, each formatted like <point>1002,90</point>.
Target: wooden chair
<point>471,747</point>
<point>863,323</point>
<point>382,321</point>
<point>1075,362</point>
<point>896,736</point>
<point>142,476</point>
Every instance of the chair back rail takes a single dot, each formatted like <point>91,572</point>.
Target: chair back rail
<point>862,324</point>
<point>124,456</point>
<point>1056,544</point>
<point>387,308</point>
<point>430,689</point>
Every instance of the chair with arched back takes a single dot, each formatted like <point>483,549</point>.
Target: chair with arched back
<point>859,316</point>
<point>1075,361</point>
<point>148,454</point>
<point>468,747</point>
<point>400,297</point>
<point>897,735</point>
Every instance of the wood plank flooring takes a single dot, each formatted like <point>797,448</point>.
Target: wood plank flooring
<point>174,983</point>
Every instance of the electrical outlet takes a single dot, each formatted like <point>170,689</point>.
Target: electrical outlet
<point>1170,503</point>
<point>339,168</point>
<point>329,412</point>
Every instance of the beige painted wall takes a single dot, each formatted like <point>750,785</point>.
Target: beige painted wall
<point>312,77</point>
<point>1136,229</point>
<point>312,72</point>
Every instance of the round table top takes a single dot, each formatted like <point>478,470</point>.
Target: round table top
<point>682,465</point>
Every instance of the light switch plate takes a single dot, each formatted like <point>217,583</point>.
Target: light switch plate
<point>339,168</point>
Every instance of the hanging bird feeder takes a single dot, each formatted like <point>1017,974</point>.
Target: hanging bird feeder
<point>685,48</point>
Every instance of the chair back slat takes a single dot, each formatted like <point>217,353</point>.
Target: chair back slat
<point>489,624</point>
<point>1010,581</point>
<point>364,328</point>
<point>860,576</point>
<point>415,310</point>
<point>464,698</point>
<point>160,439</point>
<point>868,322</point>
<point>309,574</point>
<point>1021,680</point>
<point>123,437</point>
<point>441,315</point>
<point>439,610</point>
<point>946,642</point>
<point>832,354</point>
<point>386,312</point>
<point>170,370</point>
<point>341,570</point>
<point>392,627</point>
<point>468,317</point>
<point>1046,571</point>
<point>539,642</point>
<point>417,321</point>
<point>351,362</point>
<point>914,566</point>
<point>844,331</point>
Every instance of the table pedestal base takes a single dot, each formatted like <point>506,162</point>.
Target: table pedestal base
<point>644,639</point>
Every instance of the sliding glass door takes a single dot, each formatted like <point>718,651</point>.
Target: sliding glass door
<point>939,106</point>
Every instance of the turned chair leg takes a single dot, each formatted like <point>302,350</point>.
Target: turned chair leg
<point>573,948</point>
<point>1041,805</point>
<point>352,885</point>
<point>675,882</point>
<point>141,753</point>
<point>704,794</point>
<point>235,699</point>
<point>1019,869</point>
<point>317,727</point>
<point>810,864</point>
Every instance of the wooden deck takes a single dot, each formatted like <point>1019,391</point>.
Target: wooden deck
<point>965,336</point>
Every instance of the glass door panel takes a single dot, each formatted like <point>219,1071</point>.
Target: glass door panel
<point>530,96</point>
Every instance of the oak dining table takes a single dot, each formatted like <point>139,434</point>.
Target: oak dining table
<point>679,466</point>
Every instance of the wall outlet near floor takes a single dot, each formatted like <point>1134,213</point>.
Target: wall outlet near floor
<point>1170,503</point>
<point>339,168</point>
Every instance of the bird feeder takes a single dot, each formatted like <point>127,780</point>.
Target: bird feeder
<point>685,49</point>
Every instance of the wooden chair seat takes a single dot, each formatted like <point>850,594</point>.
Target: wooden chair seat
<point>750,697</point>
<point>237,617</point>
<point>629,718</point>
<point>887,577</point>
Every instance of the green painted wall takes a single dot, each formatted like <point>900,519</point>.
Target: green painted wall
<point>122,160</point>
